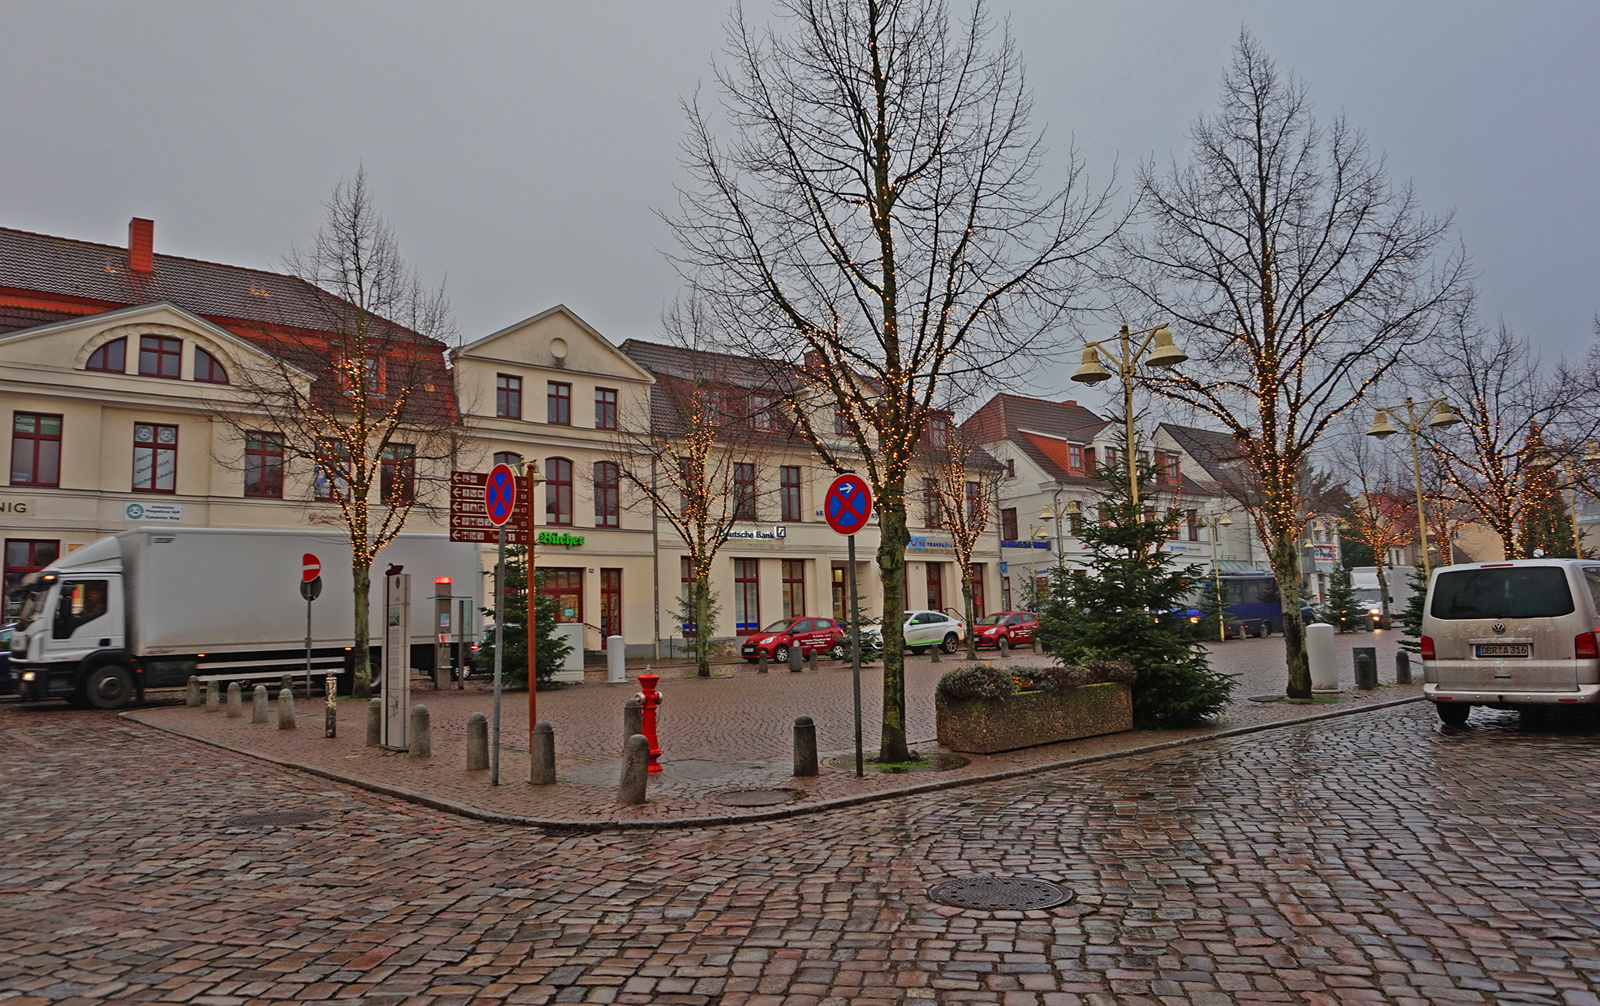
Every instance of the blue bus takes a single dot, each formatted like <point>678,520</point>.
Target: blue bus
<point>1253,604</point>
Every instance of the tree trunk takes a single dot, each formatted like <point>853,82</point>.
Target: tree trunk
<point>361,574</point>
<point>1383,594</point>
<point>892,569</point>
<point>1286,569</point>
<point>702,628</point>
<point>966,595</point>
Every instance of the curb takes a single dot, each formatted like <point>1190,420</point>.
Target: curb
<point>713,821</point>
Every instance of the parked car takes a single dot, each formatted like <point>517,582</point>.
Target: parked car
<point>924,629</point>
<point>809,633</point>
<point>8,678</point>
<point>1016,627</point>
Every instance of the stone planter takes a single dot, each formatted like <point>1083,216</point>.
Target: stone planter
<point>1027,719</point>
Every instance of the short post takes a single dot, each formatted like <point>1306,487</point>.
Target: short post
<point>794,660</point>
<point>1038,645</point>
<point>441,672</point>
<point>193,698</point>
<point>421,737</point>
<point>650,698</point>
<point>213,697</point>
<point>616,659</point>
<point>477,742</point>
<point>542,756</point>
<point>258,704</point>
<point>813,659</point>
<point>632,718</point>
<point>636,765</point>
<point>805,747</point>
<point>1366,661</point>
<point>287,681</point>
<point>1402,668</point>
<point>235,700</point>
<point>330,712</point>
<point>375,723</point>
<point>286,709</point>
<point>761,663</point>
<point>1004,647</point>
<point>938,648</point>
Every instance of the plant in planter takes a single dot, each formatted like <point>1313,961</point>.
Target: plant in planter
<point>985,709</point>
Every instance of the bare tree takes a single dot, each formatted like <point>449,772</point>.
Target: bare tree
<point>1380,515</point>
<point>1300,276</point>
<point>964,478</point>
<point>359,393</point>
<point>875,230</point>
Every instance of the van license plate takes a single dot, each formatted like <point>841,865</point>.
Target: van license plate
<point>1504,650</point>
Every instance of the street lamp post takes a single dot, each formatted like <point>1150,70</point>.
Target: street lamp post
<point>1216,521</point>
<point>1412,423</point>
<point>1058,511</point>
<point>1124,360</point>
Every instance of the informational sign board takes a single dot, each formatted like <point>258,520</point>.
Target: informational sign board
<point>1326,557</point>
<point>847,506</point>
<point>396,661</point>
<point>469,521</point>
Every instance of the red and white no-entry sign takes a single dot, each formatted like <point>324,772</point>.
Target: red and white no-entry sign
<point>310,568</point>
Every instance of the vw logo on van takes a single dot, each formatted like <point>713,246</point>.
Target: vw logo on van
<point>1498,628</point>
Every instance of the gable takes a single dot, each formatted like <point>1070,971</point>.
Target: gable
<point>555,340</point>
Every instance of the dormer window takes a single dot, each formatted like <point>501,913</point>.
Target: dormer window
<point>207,368</point>
<point>111,357</point>
<point>160,356</point>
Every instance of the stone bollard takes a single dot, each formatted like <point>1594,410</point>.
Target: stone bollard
<point>761,663</point>
<point>258,704</point>
<point>286,683</point>
<point>794,659</point>
<point>477,742</point>
<point>632,718</point>
<point>635,770</point>
<point>374,723</point>
<point>1402,668</point>
<point>805,747</point>
<point>193,699</point>
<point>235,700</point>
<point>1004,646</point>
<point>421,736</point>
<point>542,759</point>
<point>1038,645</point>
<point>814,659</point>
<point>286,709</point>
<point>1366,661</point>
<point>938,648</point>
<point>213,697</point>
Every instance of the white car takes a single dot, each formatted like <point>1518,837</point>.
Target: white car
<point>923,629</point>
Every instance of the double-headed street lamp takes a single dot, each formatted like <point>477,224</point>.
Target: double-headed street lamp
<point>1216,521</point>
<point>1091,372</point>
<point>1058,511</point>
<point>1412,423</point>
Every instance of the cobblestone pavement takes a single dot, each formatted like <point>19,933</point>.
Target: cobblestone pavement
<point>728,734</point>
<point>1369,858</point>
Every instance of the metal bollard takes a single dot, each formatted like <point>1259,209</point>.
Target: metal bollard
<point>421,736</point>
<point>794,659</point>
<point>330,712</point>
<point>635,770</point>
<point>193,698</point>
<point>477,742</point>
<point>542,759</point>
<point>286,709</point>
<point>258,704</point>
<point>805,747</point>
<point>375,723</point>
<point>1402,668</point>
<point>235,700</point>
<point>761,663</point>
<point>632,718</point>
<point>213,697</point>
<point>1366,661</point>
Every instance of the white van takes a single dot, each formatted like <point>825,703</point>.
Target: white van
<point>1511,635</point>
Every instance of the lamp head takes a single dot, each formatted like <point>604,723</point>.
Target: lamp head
<point>1165,354</point>
<point>1074,507</point>
<point>1591,452</point>
<point>1047,513</point>
<point>1089,371</point>
<point>1380,426</point>
<point>1223,520</point>
<point>1444,417</point>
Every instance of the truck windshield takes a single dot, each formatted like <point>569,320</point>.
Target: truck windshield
<point>32,599</point>
<point>1502,592</point>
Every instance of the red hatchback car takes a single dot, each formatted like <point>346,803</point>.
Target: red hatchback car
<point>1016,626</point>
<point>810,634</point>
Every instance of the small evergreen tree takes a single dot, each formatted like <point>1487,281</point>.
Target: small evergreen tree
<point>1213,610</point>
<point>1344,612</point>
<point>1128,604</point>
<point>697,613</point>
<point>553,650</point>
<point>1411,617</point>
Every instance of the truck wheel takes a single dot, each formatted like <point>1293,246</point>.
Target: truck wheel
<point>1453,714</point>
<point>109,687</point>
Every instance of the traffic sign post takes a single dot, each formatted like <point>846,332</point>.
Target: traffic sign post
<point>499,503</point>
<point>310,589</point>
<point>847,507</point>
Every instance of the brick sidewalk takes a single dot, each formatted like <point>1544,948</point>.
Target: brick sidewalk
<point>720,735</point>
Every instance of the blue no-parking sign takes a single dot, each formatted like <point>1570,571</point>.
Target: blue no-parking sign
<point>848,504</point>
<point>500,495</point>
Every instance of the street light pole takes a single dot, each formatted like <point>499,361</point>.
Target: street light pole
<point>1215,521</point>
<point>1126,359</point>
<point>1443,418</point>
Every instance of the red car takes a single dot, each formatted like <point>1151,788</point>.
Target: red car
<point>811,634</point>
<point>1016,626</point>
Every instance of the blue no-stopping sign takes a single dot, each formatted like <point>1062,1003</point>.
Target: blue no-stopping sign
<point>500,495</point>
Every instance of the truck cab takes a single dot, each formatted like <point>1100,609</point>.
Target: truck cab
<point>70,639</point>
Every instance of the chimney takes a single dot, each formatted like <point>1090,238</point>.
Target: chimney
<point>1070,402</point>
<point>141,245</point>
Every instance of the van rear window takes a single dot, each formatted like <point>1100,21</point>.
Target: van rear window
<point>1502,592</point>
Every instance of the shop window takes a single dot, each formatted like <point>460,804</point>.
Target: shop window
<point>208,368</point>
<point>610,605</point>
<point>111,357</point>
<point>35,449</point>
<point>263,465</point>
<point>978,609</point>
<point>160,356</point>
<point>155,458</point>
<point>24,556</point>
<point>794,587</point>
<point>746,596</point>
<point>566,586</point>
<point>607,494</point>
<point>558,491</point>
<point>397,474</point>
<point>935,586</point>
<point>507,397</point>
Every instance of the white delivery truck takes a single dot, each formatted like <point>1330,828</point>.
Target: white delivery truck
<point>1365,581</point>
<point>150,607</point>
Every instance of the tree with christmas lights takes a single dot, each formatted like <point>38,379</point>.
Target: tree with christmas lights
<point>962,479</point>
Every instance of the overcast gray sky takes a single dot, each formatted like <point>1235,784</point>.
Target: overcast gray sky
<point>519,149</point>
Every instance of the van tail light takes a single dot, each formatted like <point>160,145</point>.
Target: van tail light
<point>1427,647</point>
<point>1585,647</point>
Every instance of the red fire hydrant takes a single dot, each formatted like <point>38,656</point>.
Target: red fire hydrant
<point>650,698</point>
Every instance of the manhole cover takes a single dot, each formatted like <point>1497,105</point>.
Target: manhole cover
<point>1000,893</point>
<point>276,817</point>
<point>933,763</point>
<point>755,797</point>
